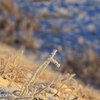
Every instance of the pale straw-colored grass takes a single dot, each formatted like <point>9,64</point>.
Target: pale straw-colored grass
<point>25,81</point>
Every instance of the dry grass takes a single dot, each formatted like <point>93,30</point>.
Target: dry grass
<point>32,84</point>
<point>18,73</point>
<point>19,31</point>
<point>85,65</point>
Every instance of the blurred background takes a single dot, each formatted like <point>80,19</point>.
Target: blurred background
<point>70,26</point>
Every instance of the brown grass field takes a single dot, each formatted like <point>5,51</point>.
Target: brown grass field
<point>22,80</point>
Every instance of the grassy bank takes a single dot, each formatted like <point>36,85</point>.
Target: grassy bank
<point>21,79</point>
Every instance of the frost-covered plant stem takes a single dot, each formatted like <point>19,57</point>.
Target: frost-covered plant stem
<point>39,70</point>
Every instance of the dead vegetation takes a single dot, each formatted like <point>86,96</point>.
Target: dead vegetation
<point>27,84</point>
<point>85,65</point>
<point>17,28</point>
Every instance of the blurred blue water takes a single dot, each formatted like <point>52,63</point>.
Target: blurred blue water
<point>84,21</point>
